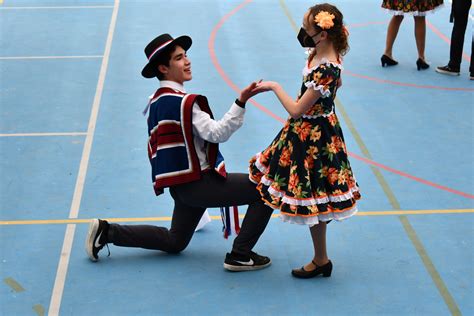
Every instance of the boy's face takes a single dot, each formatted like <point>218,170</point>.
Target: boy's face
<point>179,69</point>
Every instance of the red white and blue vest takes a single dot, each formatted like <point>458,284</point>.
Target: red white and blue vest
<point>171,151</point>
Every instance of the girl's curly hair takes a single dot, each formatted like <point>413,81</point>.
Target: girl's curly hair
<point>337,33</point>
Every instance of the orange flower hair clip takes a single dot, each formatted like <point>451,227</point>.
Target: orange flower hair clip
<point>324,20</point>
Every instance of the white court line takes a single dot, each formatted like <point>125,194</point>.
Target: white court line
<point>61,272</point>
<point>59,7</point>
<point>42,134</point>
<point>47,57</point>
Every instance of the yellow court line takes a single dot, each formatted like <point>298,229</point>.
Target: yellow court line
<point>216,217</point>
<point>43,134</point>
<point>59,7</point>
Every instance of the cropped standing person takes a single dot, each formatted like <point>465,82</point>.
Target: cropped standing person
<point>459,15</point>
<point>418,9</point>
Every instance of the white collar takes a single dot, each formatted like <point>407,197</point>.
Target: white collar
<point>165,84</point>
<point>172,84</point>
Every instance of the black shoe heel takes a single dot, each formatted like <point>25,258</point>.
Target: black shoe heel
<point>421,64</point>
<point>325,270</point>
<point>387,61</point>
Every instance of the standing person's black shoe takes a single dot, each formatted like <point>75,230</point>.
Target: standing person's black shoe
<point>325,270</point>
<point>96,238</point>
<point>387,61</point>
<point>421,64</point>
<point>471,76</point>
<point>447,70</point>
<point>236,263</point>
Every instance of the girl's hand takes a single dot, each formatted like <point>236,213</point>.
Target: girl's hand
<point>263,86</point>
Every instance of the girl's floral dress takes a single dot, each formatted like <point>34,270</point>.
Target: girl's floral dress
<point>305,172</point>
<point>415,7</point>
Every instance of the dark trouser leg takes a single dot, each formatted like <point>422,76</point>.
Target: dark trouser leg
<point>461,14</point>
<point>191,200</point>
<point>253,225</point>
<point>471,66</point>
<point>174,240</point>
<point>235,190</point>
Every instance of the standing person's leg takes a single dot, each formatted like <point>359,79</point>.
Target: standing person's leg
<point>320,263</point>
<point>318,234</point>
<point>461,14</point>
<point>471,66</point>
<point>392,32</point>
<point>420,36</point>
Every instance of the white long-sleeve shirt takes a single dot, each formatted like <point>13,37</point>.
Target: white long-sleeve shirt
<point>207,129</point>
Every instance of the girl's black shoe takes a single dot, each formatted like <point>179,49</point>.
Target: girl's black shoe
<point>421,64</point>
<point>325,270</point>
<point>387,61</point>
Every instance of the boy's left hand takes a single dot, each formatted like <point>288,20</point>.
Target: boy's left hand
<point>249,92</point>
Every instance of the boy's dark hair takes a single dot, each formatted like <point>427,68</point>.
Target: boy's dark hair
<point>163,59</point>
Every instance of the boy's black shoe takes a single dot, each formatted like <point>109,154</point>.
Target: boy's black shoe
<point>235,262</point>
<point>96,238</point>
<point>447,70</point>
<point>471,76</point>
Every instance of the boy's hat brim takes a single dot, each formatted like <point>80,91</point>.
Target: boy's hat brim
<point>159,45</point>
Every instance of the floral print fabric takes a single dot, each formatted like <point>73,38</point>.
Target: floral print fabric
<point>417,7</point>
<point>305,172</point>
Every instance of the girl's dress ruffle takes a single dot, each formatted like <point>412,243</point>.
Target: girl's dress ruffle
<point>322,208</point>
<point>413,13</point>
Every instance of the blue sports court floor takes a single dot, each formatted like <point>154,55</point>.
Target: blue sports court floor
<point>73,147</point>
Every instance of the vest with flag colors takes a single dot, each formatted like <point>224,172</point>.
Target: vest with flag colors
<point>171,151</point>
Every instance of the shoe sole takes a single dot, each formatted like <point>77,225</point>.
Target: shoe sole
<point>93,227</point>
<point>233,268</point>
<point>448,72</point>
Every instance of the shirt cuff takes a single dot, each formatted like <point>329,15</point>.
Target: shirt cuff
<point>236,110</point>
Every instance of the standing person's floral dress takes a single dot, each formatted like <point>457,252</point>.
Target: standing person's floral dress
<point>305,172</point>
<point>416,7</point>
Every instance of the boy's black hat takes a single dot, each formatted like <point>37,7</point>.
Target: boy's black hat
<point>157,46</point>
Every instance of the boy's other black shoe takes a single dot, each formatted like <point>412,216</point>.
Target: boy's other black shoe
<point>236,263</point>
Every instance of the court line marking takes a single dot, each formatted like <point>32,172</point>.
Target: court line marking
<point>61,273</point>
<point>410,231</point>
<point>43,134</point>
<point>218,217</point>
<point>59,7</point>
<point>276,117</point>
<point>49,57</point>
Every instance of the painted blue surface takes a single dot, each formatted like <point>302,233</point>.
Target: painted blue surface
<point>423,132</point>
<point>28,256</point>
<point>38,176</point>
<point>47,95</point>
